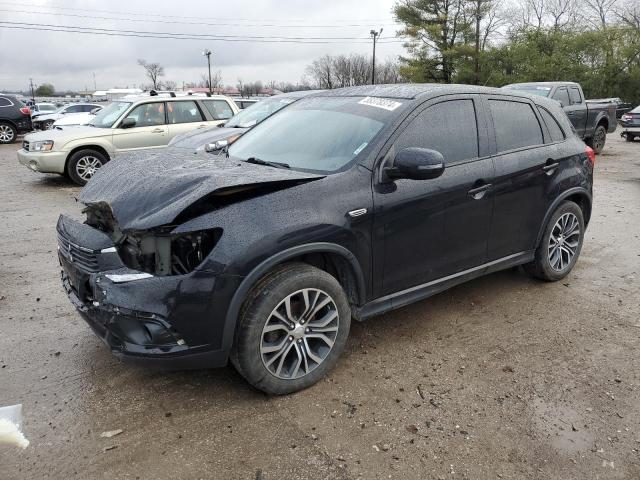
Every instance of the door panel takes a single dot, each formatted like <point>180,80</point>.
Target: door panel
<point>429,229</point>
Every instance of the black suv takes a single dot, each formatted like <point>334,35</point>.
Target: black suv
<point>15,118</point>
<point>345,204</point>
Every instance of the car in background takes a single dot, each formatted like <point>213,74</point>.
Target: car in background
<point>127,125</point>
<point>42,108</point>
<point>592,120</point>
<point>45,121</point>
<point>217,138</point>
<point>630,121</point>
<point>246,102</point>
<point>15,118</point>
<point>76,118</point>
<point>621,106</point>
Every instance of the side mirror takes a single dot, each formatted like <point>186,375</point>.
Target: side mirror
<point>214,147</point>
<point>128,122</point>
<point>416,164</point>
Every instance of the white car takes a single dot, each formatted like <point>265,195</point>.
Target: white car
<point>44,121</point>
<point>41,109</point>
<point>75,119</point>
<point>123,126</point>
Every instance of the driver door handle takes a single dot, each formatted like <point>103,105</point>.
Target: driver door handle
<point>550,166</point>
<point>478,192</point>
<point>157,130</point>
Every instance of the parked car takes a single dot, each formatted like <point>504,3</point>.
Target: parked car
<point>72,119</point>
<point>42,109</point>
<point>45,121</point>
<point>243,103</point>
<point>630,121</point>
<point>591,120</point>
<point>345,204</point>
<point>125,125</point>
<point>621,106</point>
<point>215,139</point>
<point>15,118</point>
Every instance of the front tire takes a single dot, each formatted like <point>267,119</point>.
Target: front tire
<point>598,140</point>
<point>83,165</point>
<point>293,327</point>
<point>8,133</point>
<point>560,245</point>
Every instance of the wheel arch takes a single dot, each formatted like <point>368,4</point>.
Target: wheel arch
<point>95,147</point>
<point>335,259</point>
<point>578,195</point>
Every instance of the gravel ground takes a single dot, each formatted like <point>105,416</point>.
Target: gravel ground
<point>503,377</point>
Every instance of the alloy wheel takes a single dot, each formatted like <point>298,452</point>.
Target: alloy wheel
<point>299,333</point>
<point>6,133</point>
<point>564,241</point>
<point>599,139</point>
<point>87,166</point>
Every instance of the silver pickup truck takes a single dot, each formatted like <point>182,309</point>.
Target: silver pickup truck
<point>591,119</point>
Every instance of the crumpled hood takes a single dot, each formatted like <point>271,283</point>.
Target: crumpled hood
<point>197,139</point>
<point>148,191</point>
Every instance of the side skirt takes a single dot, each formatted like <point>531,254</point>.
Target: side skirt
<point>420,292</point>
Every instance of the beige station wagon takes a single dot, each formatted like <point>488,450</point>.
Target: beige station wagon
<point>123,126</point>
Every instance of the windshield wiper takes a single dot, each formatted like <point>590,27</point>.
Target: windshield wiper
<point>259,161</point>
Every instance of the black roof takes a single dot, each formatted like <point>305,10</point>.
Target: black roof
<point>406,90</point>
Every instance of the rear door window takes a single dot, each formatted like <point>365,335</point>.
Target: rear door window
<point>574,95</point>
<point>5,102</point>
<point>219,109</point>
<point>74,109</point>
<point>183,112</point>
<point>562,96</point>
<point>448,127</point>
<point>555,130</point>
<point>515,124</point>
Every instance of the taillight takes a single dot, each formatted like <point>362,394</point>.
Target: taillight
<point>626,117</point>
<point>591,155</point>
<point>25,111</point>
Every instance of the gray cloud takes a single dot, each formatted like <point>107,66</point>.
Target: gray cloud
<point>68,60</point>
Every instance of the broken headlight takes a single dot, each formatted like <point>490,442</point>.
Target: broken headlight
<point>162,255</point>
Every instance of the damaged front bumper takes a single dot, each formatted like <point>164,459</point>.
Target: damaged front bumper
<point>167,321</point>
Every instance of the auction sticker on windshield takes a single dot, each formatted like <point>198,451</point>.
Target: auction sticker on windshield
<point>380,103</point>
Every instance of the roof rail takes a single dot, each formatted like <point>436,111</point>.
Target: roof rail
<point>153,93</point>
<point>208,94</point>
<point>172,94</point>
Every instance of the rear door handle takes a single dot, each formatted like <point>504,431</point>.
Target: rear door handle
<point>549,168</point>
<point>157,130</point>
<point>478,192</point>
<point>202,126</point>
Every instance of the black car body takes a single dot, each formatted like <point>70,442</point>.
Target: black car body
<point>200,140</point>
<point>622,107</point>
<point>591,119</point>
<point>15,118</point>
<point>167,265</point>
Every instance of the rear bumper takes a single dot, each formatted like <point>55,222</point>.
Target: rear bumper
<point>44,162</point>
<point>170,322</point>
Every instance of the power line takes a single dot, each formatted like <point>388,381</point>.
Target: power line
<point>181,36</point>
<point>179,22</point>
<point>146,15</point>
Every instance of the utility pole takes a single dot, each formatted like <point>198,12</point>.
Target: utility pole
<point>375,36</point>
<point>207,53</point>
<point>95,85</point>
<point>33,98</point>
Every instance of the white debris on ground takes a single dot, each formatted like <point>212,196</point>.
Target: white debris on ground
<point>10,432</point>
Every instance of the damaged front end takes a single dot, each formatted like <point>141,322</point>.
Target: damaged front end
<point>139,291</point>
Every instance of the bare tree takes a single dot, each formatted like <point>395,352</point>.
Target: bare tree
<point>629,14</point>
<point>598,11</point>
<point>153,71</point>
<point>561,12</point>
<point>241,87</point>
<point>169,85</point>
<point>321,72</point>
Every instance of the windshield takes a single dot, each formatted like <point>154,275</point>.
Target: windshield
<point>257,112</point>
<point>531,89</point>
<point>106,117</point>
<point>321,134</point>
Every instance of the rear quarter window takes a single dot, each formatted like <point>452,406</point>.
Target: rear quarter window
<point>555,130</point>
<point>574,95</point>
<point>515,124</point>
<point>219,109</point>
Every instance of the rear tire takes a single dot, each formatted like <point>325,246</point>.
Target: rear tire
<point>598,140</point>
<point>8,133</point>
<point>83,164</point>
<point>292,329</point>
<point>560,244</point>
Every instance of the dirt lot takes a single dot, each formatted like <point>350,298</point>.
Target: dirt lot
<point>503,377</point>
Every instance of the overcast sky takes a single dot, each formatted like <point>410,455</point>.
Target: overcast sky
<point>68,60</point>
